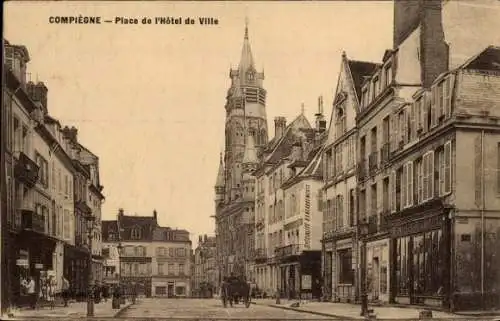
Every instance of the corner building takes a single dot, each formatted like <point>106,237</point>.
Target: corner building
<point>426,143</point>
<point>245,135</point>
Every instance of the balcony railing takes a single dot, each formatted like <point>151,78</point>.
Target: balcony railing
<point>260,254</point>
<point>287,250</point>
<point>26,170</point>
<point>384,154</point>
<point>362,173</point>
<point>32,221</point>
<point>384,221</point>
<point>373,162</point>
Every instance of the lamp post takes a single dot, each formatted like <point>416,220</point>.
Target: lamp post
<point>90,292</point>
<point>120,253</point>
<point>363,232</point>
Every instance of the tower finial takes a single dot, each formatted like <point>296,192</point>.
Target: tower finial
<point>302,108</point>
<point>246,27</point>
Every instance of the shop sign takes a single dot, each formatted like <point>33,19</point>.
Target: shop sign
<point>22,262</point>
<point>39,266</point>
<point>306,282</point>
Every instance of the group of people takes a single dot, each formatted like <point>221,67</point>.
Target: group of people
<point>46,292</point>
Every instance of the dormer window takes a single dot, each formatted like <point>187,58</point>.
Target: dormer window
<point>375,88</point>
<point>136,233</point>
<point>388,74</point>
<point>340,121</point>
<point>250,76</point>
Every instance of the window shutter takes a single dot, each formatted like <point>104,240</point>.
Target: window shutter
<point>392,133</point>
<point>430,181</point>
<point>448,94</point>
<point>419,181</point>
<point>447,167</point>
<point>434,105</point>
<point>413,129</point>
<point>409,178</point>
<point>425,110</point>
<point>392,193</point>
<point>403,186</point>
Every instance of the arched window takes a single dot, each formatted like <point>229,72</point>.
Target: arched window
<point>262,139</point>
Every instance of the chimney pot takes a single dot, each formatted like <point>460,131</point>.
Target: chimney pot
<point>279,126</point>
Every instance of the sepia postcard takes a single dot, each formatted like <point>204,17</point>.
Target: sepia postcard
<point>250,160</point>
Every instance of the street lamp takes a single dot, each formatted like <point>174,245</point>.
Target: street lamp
<point>90,297</point>
<point>120,253</point>
<point>363,232</point>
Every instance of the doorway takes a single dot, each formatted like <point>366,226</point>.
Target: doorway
<point>375,279</point>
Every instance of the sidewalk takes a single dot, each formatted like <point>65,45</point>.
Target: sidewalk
<point>74,310</point>
<point>351,311</point>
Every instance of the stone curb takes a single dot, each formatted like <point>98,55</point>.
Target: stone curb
<point>123,310</point>
<point>323,314</point>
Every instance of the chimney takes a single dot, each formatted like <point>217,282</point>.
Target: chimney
<point>320,119</point>
<point>406,19</point>
<point>279,127</point>
<point>71,133</point>
<point>200,240</point>
<point>120,212</point>
<point>155,214</point>
<point>38,93</point>
<point>206,238</point>
<point>296,151</point>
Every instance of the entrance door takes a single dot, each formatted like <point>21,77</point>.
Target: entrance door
<point>291,281</point>
<point>376,279</point>
<point>170,290</point>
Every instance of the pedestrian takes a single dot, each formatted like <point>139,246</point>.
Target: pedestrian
<point>51,289</point>
<point>29,285</point>
<point>65,290</point>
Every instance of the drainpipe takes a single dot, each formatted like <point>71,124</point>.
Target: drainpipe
<point>482,218</point>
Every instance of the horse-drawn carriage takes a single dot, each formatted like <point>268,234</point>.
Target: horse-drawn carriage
<point>235,289</point>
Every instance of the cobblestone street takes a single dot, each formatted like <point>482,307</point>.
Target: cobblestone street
<point>210,308</point>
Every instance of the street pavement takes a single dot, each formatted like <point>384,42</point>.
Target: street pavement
<point>210,309</point>
<point>74,310</point>
<point>352,311</point>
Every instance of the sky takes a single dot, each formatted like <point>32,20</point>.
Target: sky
<point>149,99</point>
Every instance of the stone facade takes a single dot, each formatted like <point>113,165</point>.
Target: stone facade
<point>204,261</point>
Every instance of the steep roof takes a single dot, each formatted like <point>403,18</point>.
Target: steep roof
<point>359,70</point>
<point>488,59</point>
<point>283,146</point>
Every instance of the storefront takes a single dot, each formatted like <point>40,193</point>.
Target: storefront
<point>339,267</point>
<point>420,255</point>
<point>34,258</point>
<point>76,270</point>
<point>141,285</point>
<point>377,270</point>
<point>299,274</point>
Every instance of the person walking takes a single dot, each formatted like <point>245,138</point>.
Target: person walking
<point>51,291</point>
<point>29,285</point>
<point>65,290</point>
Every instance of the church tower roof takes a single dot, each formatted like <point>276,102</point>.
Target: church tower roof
<point>250,155</point>
<point>220,175</point>
<point>246,60</point>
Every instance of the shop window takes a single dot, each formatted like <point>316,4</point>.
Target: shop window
<point>180,290</point>
<point>346,275</point>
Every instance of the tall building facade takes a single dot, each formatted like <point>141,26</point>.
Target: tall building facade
<point>340,241</point>
<point>288,223</point>
<point>425,144</point>
<point>245,136</point>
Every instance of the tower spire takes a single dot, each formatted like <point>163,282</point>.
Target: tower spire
<point>246,60</point>
<point>220,175</point>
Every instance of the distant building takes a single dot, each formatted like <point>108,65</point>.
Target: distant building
<point>204,277</point>
<point>154,259</point>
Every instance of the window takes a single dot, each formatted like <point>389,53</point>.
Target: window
<point>364,98</point>
<point>181,252</point>
<point>385,194</point>
<point>407,185</point>
<point>388,75</point>
<point>181,269</point>
<point>420,181</point>
<point>447,167</point>
<point>180,290</point>
<point>136,233</point>
<point>428,178</point>
<point>448,88</point>
<point>43,170</point>
<point>340,211</point>
<point>352,207</point>
<point>373,194</point>
<point>171,252</point>
<point>346,273</point>
<point>375,88</point>
<point>67,225</point>
<point>362,204</point>
<point>340,122</point>
<point>171,269</point>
